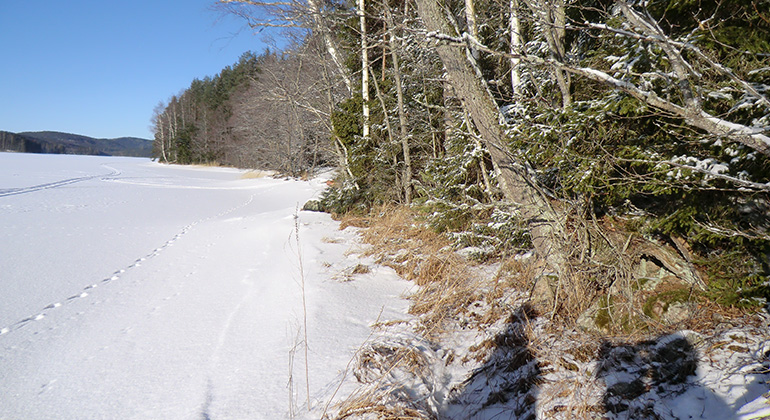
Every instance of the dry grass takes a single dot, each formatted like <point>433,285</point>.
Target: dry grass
<point>389,373</point>
<point>455,294</point>
<point>379,406</point>
<point>447,283</point>
<point>255,174</point>
<point>380,359</point>
<point>350,273</point>
<point>210,164</point>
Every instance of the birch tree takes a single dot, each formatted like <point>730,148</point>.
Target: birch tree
<point>364,68</point>
<point>514,27</point>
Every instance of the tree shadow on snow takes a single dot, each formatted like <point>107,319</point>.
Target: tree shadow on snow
<point>657,379</point>
<point>506,385</point>
<point>646,380</point>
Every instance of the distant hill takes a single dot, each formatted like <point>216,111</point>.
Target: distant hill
<point>73,144</point>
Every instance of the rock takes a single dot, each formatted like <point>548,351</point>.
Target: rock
<point>678,312</point>
<point>542,292</point>
<point>649,275</point>
<point>627,390</point>
<point>670,307</point>
<point>596,318</point>
<point>313,205</point>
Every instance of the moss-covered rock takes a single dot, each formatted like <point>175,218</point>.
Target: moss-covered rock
<point>313,205</point>
<point>671,306</point>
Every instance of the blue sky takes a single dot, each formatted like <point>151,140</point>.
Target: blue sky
<point>98,68</point>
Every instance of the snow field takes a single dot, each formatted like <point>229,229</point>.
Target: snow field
<point>130,289</point>
<point>151,291</point>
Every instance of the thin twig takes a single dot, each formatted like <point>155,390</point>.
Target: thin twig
<point>304,302</point>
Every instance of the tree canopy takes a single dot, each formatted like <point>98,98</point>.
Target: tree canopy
<point>578,128</point>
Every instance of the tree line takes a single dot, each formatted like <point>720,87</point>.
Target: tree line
<point>265,111</point>
<point>596,132</point>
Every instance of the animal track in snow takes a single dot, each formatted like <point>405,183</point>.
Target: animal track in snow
<point>116,275</point>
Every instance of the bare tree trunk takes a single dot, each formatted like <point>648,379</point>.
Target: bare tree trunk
<point>364,67</point>
<point>447,99</point>
<point>556,37</point>
<point>386,116</point>
<point>173,129</point>
<point>404,133</point>
<point>162,141</point>
<point>517,184</point>
<point>158,129</point>
<point>553,19</point>
<point>477,142</point>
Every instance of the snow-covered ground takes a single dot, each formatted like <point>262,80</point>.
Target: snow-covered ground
<point>132,290</point>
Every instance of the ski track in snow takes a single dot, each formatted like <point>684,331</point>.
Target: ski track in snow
<point>116,275</point>
<point>25,190</point>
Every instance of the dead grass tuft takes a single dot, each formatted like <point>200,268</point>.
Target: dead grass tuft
<point>391,373</point>
<point>447,283</point>
<point>380,359</point>
<point>255,174</point>
<point>350,273</point>
<point>378,406</point>
<point>350,219</point>
<point>361,269</point>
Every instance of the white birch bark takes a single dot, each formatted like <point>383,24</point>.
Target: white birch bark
<point>364,67</point>
<point>470,18</point>
<point>514,26</point>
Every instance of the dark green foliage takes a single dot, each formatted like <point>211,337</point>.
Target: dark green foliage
<point>452,194</point>
<point>610,154</point>
<point>347,120</point>
<point>730,29</point>
<point>193,125</point>
<point>455,202</point>
<point>607,154</point>
<point>493,233</point>
<point>346,199</point>
<point>737,279</point>
<point>67,143</point>
<point>457,176</point>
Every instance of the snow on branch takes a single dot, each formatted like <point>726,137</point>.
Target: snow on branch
<point>464,39</point>
<point>713,172</point>
<point>653,33</point>
<point>692,112</point>
<point>732,232</point>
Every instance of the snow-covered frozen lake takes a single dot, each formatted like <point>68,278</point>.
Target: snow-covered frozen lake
<point>133,290</point>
